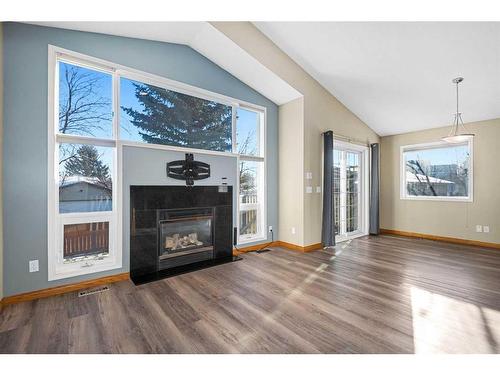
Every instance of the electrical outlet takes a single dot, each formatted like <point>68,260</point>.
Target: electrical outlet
<point>33,265</point>
<point>479,228</point>
<point>270,228</point>
<point>486,229</point>
<point>293,230</point>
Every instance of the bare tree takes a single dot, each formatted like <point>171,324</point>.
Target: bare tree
<point>247,182</point>
<point>246,175</point>
<point>416,168</point>
<point>462,174</point>
<point>82,109</point>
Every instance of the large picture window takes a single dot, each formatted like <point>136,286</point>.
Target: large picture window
<point>437,171</point>
<point>152,114</point>
<point>96,107</point>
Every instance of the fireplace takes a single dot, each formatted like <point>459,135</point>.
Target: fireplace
<point>175,229</point>
<point>185,236</point>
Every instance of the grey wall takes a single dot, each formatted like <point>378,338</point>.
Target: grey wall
<point>25,132</point>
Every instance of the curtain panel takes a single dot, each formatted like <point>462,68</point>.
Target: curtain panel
<point>327,230</point>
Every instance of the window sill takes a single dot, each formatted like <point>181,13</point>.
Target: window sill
<point>439,199</point>
<point>73,270</point>
<point>249,240</point>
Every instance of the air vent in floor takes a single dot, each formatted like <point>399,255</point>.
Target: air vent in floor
<point>88,292</point>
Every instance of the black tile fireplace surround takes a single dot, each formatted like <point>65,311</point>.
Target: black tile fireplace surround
<point>177,229</point>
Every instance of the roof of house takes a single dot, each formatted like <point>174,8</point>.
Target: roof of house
<point>410,177</point>
<point>71,180</point>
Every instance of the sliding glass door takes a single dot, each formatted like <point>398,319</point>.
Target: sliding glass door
<point>350,189</point>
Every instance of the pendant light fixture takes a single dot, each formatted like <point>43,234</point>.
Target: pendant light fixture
<point>458,132</point>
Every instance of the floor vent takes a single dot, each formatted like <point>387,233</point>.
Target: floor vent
<point>89,292</point>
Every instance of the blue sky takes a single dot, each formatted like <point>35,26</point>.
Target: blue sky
<point>247,123</point>
<point>103,88</point>
<point>440,156</point>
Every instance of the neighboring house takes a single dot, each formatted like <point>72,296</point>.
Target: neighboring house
<point>418,182</point>
<point>83,194</point>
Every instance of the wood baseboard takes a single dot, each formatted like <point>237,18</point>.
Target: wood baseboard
<point>286,245</point>
<point>64,289</point>
<point>459,241</point>
<point>302,249</point>
<point>247,249</point>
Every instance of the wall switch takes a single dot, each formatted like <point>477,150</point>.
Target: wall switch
<point>309,175</point>
<point>486,229</point>
<point>309,189</point>
<point>318,189</point>
<point>270,228</point>
<point>34,265</point>
<point>293,230</point>
<point>479,228</point>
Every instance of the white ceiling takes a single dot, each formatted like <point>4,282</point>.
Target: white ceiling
<point>397,77</point>
<point>204,38</point>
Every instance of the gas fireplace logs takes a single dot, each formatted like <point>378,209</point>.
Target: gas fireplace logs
<point>177,242</point>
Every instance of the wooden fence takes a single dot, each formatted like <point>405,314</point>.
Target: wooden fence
<point>86,239</point>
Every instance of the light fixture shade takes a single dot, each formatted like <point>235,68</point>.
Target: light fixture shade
<point>459,138</point>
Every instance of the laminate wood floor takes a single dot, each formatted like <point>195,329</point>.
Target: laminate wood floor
<point>376,295</point>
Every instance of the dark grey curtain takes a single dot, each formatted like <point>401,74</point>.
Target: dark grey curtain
<point>327,232</point>
<point>374,189</point>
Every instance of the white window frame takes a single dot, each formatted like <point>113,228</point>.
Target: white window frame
<point>431,145</point>
<point>363,206</point>
<point>56,268</point>
<point>261,205</point>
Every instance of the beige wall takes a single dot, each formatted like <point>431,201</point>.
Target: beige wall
<point>322,111</point>
<point>450,219</point>
<point>1,161</point>
<point>291,170</point>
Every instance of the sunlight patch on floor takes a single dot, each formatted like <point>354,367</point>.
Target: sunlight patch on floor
<point>443,324</point>
<point>293,294</point>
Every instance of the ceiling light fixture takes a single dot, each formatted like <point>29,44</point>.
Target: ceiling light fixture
<point>455,135</point>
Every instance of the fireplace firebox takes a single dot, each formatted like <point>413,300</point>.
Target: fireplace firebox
<point>176,229</point>
<point>185,236</point>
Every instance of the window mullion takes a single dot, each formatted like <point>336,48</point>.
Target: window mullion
<point>116,106</point>
<point>68,138</point>
<point>234,129</point>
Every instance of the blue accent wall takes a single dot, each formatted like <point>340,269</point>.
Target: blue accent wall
<point>25,135</point>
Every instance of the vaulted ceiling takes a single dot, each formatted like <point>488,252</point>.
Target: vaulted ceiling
<point>205,39</point>
<point>397,77</point>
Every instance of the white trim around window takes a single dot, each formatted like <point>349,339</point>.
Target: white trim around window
<point>261,206</point>
<point>57,268</point>
<point>432,145</point>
